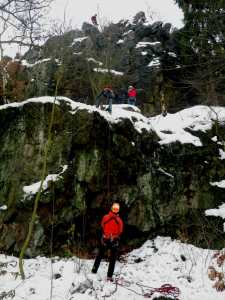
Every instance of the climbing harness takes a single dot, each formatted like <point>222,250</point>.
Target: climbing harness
<point>112,219</point>
<point>111,237</point>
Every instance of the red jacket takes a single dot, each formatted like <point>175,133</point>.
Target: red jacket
<point>112,224</point>
<point>132,93</point>
<point>94,19</point>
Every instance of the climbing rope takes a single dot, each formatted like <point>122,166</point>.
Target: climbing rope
<point>166,289</point>
<point>108,170</point>
<point>146,291</point>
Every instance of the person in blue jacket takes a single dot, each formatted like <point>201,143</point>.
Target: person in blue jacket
<point>121,94</point>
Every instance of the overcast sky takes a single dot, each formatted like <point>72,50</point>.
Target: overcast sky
<point>115,10</point>
<point>111,10</point>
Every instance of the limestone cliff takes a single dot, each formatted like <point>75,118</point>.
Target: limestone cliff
<point>162,189</point>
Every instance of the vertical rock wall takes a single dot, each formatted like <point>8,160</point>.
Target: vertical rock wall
<point>160,188</point>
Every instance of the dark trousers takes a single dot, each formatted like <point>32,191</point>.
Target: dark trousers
<point>121,101</point>
<point>102,251</point>
<point>132,100</point>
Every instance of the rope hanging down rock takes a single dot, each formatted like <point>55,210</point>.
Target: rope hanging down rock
<point>108,170</point>
<point>166,289</point>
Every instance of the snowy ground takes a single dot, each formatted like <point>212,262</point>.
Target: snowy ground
<point>157,262</point>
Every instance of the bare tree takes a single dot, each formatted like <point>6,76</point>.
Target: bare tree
<point>42,179</point>
<point>2,73</point>
<point>61,27</point>
<point>154,13</point>
<point>23,20</point>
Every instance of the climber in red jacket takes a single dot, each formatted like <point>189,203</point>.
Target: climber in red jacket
<point>113,227</point>
<point>94,20</point>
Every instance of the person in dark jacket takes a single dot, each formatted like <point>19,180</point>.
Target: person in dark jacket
<point>113,227</point>
<point>94,20</point>
<point>121,94</point>
<point>106,94</point>
<point>131,95</point>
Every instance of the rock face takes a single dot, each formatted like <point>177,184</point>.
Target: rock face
<point>152,200</point>
<point>140,53</point>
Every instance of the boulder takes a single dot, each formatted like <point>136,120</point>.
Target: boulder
<point>140,16</point>
<point>156,26</point>
<point>166,31</point>
<point>89,29</point>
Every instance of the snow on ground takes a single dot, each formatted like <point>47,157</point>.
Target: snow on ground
<point>158,262</point>
<point>196,118</point>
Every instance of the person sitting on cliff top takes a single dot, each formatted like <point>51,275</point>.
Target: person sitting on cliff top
<point>94,20</point>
